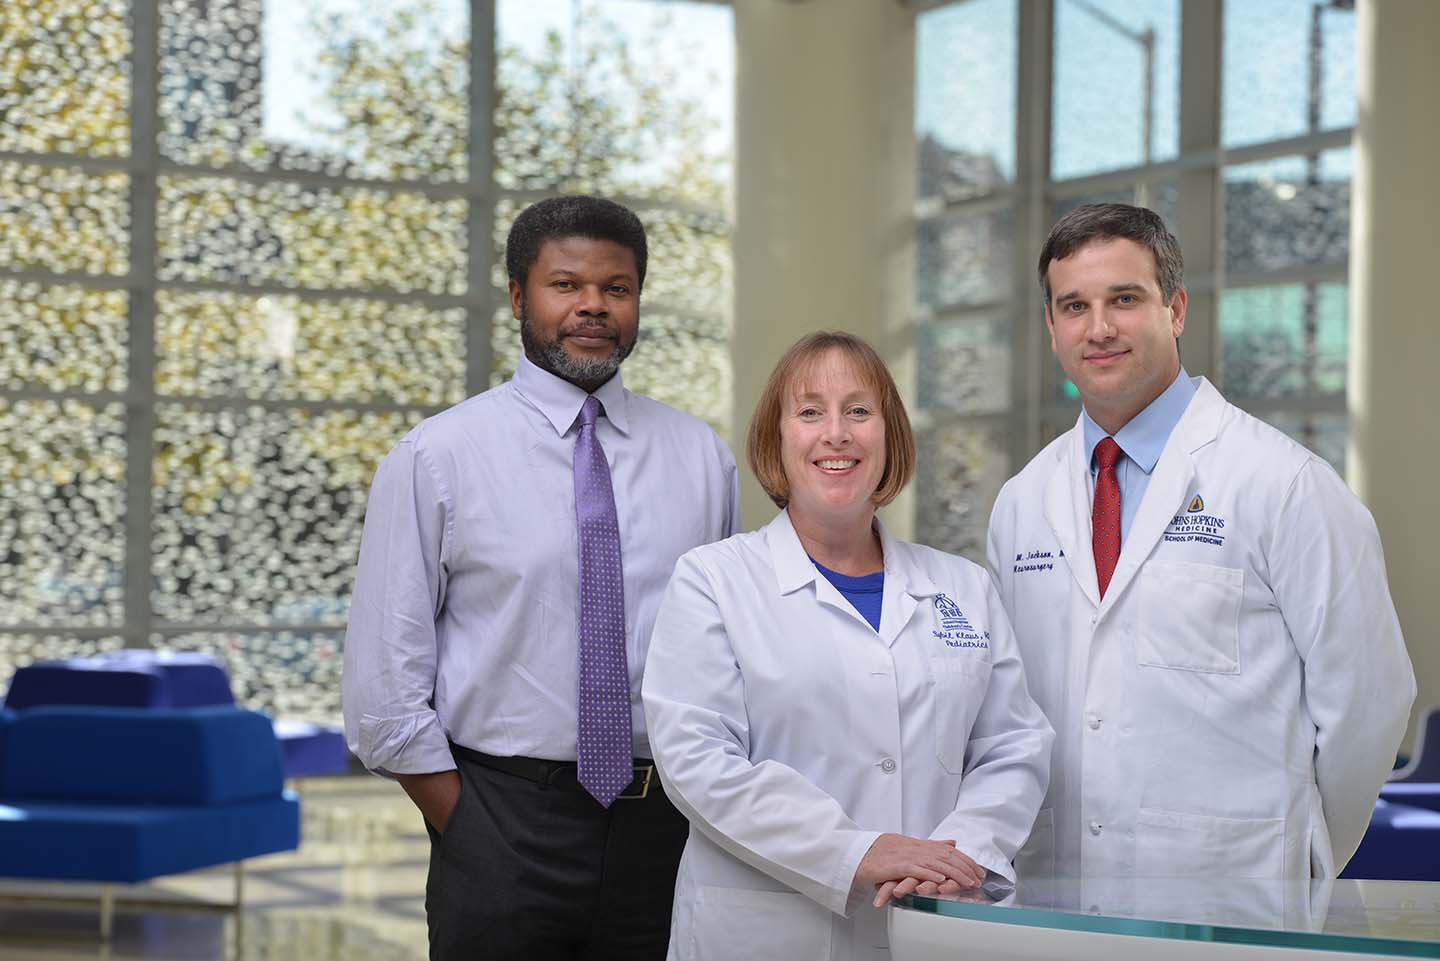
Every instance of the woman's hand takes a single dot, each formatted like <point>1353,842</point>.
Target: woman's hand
<point>896,859</point>
<point>898,889</point>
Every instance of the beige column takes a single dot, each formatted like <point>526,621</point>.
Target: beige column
<point>1394,457</point>
<point>824,187</point>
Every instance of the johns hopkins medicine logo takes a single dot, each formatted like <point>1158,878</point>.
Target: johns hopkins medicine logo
<point>1196,525</point>
<point>955,628</point>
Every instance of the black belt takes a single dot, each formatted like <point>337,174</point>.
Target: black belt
<point>562,775</point>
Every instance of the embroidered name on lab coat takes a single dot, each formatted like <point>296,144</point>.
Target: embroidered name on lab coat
<point>1029,561</point>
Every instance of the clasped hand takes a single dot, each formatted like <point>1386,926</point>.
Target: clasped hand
<point>898,865</point>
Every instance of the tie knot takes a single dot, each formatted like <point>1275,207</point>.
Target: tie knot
<point>1107,453</point>
<point>590,410</point>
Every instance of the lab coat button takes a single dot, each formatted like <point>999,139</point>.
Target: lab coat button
<point>1094,618</point>
<point>1095,722</point>
<point>1096,827</point>
<point>888,765</point>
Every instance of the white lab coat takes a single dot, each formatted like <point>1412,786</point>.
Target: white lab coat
<point>1233,704</point>
<point>792,735</point>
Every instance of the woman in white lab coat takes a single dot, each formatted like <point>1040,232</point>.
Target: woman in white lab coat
<point>841,715</point>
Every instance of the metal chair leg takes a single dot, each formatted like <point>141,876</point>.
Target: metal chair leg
<point>107,912</point>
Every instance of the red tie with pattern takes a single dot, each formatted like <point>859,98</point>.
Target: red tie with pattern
<point>1105,514</point>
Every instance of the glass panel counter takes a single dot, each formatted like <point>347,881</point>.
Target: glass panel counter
<point>1173,919</point>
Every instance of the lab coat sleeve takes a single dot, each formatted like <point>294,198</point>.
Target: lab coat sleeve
<point>766,814</point>
<point>1001,523</point>
<point>390,655</point>
<point>1328,575</point>
<point>1007,762</point>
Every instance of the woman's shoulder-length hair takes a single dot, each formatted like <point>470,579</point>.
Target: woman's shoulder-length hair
<point>762,446</point>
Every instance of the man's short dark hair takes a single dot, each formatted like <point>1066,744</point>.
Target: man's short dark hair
<point>1089,223</point>
<point>560,217</point>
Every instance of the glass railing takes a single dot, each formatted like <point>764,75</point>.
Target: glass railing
<point>1378,918</point>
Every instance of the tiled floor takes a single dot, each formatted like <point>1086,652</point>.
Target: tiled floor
<point>353,892</point>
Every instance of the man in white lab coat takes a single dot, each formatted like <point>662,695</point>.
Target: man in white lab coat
<point>1200,602</point>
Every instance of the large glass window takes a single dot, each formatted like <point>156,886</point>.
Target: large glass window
<point>967,62</point>
<point>244,246</point>
<point>1263,177</point>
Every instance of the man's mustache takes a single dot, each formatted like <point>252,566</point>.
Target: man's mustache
<point>591,330</point>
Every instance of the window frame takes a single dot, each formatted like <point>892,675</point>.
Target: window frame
<point>1034,417</point>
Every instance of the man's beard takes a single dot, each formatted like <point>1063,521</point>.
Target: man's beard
<point>586,373</point>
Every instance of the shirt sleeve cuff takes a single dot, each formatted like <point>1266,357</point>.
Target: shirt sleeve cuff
<point>408,744</point>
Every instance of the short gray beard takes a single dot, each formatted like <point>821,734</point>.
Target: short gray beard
<point>551,356</point>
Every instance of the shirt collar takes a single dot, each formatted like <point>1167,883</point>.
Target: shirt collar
<point>560,401</point>
<point>1143,438</point>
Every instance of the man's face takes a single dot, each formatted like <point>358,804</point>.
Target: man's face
<point>1110,329</point>
<point>579,310</point>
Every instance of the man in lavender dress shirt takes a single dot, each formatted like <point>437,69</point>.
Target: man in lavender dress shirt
<point>495,640</point>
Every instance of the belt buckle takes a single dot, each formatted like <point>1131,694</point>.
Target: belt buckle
<point>648,772</point>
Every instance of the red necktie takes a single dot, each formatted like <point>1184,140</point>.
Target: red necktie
<point>1105,514</point>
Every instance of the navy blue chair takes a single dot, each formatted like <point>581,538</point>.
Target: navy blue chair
<point>124,795</point>
<point>1424,764</point>
<point>1401,844</point>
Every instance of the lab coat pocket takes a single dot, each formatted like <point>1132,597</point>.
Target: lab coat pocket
<point>960,684</point>
<point>735,923</point>
<point>1036,860</point>
<point>1172,844</point>
<point>1190,617</point>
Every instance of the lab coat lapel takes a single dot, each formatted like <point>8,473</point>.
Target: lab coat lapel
<point>905,586</point>
<point>794,569</point>
<point>1067,510</point>
<point>1169,486</point>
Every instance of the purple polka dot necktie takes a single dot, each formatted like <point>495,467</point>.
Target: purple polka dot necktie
<point>1105,513</point>
<point>603,748</point>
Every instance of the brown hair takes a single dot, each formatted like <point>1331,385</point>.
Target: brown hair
<point>1091,223</point>
<point>762,447</point>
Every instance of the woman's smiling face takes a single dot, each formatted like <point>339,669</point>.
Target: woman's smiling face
<point>832,441</point>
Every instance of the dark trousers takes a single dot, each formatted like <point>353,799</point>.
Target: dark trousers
<point>534,872</point>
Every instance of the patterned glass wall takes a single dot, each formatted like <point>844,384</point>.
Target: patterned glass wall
<point>313,197</point>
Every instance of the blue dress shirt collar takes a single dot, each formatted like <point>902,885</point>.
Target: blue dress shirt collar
<point>1143,438</point>
<point>560,401</point>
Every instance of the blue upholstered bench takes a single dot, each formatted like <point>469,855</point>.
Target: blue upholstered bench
<point>130,678</point>
<point>1401,844</point>
<point>1415,794</point>
<point>146,678</point>
<point>124,795</point>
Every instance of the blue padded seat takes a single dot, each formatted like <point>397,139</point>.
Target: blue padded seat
<point>132,843</point>
<point>192,679</point>
<point>85,681</point>
<point>309,749</point>
<point>1418,794</point>
<point>128,678</point>
<point>127,794</point>
<point>1401,844</point>
<point>207,755</point>
<point>6,717</point>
